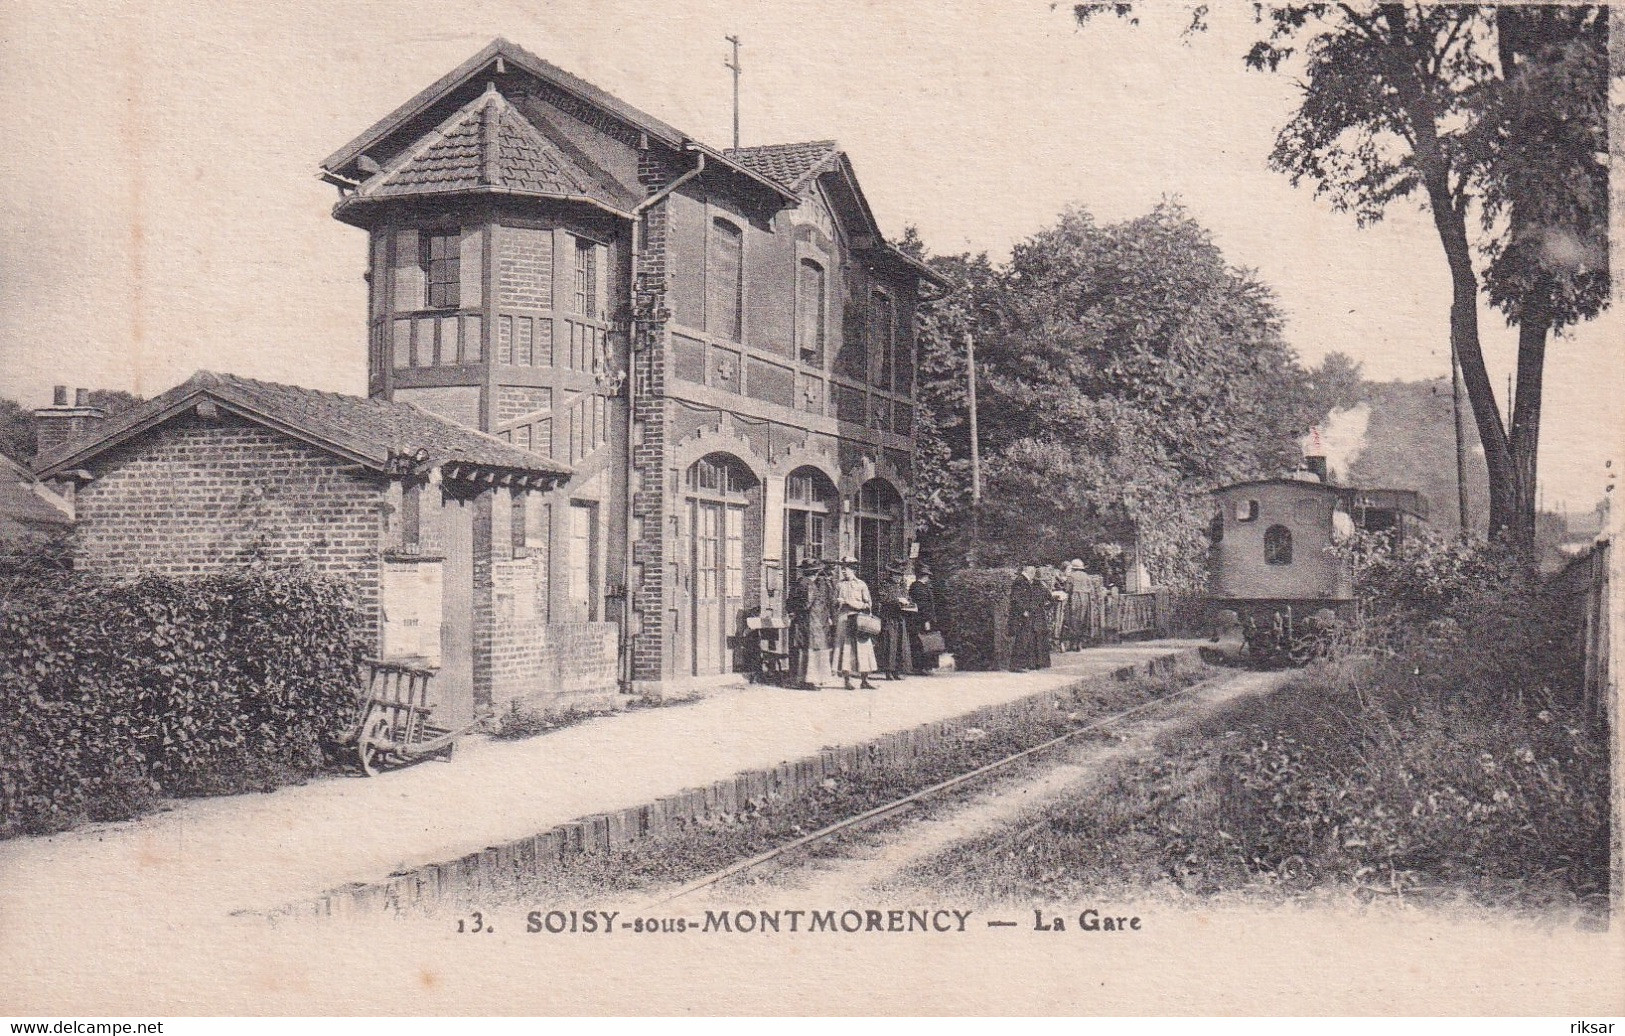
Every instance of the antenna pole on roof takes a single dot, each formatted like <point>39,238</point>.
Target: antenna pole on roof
<point>734,67</point>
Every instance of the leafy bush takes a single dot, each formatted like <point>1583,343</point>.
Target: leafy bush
<point>112,693</point>
<point>974,611</point>
<point>1471,618</point>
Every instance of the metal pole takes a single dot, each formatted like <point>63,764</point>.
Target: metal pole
<point>736,69</point>
<point>1461,458</point>
<point>975,452</point>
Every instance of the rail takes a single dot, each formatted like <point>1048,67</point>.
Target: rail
<point>909,801</point>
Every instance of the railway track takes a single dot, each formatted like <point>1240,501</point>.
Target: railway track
<point>910,801</point>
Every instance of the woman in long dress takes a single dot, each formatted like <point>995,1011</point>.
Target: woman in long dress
<point>812,609</point>
<point>854,652</point>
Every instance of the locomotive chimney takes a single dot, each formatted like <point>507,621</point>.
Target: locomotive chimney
<point>1317,465</point>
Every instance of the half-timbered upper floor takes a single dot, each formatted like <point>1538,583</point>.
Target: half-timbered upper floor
<point>502,207</point>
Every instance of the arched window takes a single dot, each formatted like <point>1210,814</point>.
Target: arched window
<point>879,529</point>
<point>810,313</point>
<point>1215,529</point>
<point>724,281</point>
<point>811,510</point>
<point>718,474</point>
<point>1277,545</point>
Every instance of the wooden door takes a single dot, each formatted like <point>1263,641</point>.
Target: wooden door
<point>718,582</point>
<point>708,578</point>
<point>454,683</point>
<point>874,548</point>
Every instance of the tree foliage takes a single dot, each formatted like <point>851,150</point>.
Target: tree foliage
<point>1494,118</point>
<point>1124,370</point>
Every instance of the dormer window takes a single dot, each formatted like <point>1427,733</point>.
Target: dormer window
<point>440,255</point>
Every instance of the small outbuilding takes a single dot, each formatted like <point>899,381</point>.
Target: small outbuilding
<point>423,516</point>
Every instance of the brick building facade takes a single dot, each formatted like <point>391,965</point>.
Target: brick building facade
<point>223,473</point>
<point>719,344</point>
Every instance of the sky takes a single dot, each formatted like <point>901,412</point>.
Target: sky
<point>161,212</point>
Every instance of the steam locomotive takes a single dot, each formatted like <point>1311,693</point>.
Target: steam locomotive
<point>1272,568</point>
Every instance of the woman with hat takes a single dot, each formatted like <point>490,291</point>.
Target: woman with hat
<point>854,648</point>
<point>811,607</point>
<point>894,609</point>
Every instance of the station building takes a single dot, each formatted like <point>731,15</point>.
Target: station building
<point>717,344</point>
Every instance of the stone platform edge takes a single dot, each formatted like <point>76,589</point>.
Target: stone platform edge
<point>500,865</point>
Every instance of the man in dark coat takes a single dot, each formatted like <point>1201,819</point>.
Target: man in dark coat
<point>1023,650</point>
<point>924,595</point>
<point>894,607</point>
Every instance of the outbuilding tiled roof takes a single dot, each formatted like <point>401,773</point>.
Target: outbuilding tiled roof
<point>24,504</point>
<point>786,164</point>
<point>376,432</point>
<point>487,145</point>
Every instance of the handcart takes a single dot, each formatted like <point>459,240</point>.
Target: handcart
<point>395,721</point>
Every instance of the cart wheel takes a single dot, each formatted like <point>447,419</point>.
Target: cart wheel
<point>374,732</point>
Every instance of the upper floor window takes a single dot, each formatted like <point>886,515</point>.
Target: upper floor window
<point>724,281</point>
<point>440,254</point>
<point>587,275</point>
<point>1277,545</point>
<point>883,337</point>
<point>810,313</point>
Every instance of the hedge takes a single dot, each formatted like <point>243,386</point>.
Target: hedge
<point>975,609</point>
<point>112,693</point>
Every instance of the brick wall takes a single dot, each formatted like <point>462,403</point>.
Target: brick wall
<point>649,450</point>
<point>542,664</point>
<point>192,499</point>
<point>524,267</point>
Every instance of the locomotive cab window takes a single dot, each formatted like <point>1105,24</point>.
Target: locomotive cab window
<point>1277,545</point>
<point>1246,510</point>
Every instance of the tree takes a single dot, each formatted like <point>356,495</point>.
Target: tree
<point>1124,370</point>
<point>1542,134</point>
<point>1498,108</point>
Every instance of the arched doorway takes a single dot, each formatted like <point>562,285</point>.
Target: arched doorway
<point>811,505</point>
<point>879,529</point>
<point>724,502</point>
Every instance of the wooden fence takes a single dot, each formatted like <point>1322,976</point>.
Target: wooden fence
<point>1584,585</point>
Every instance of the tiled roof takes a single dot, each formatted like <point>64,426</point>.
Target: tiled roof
<point>786,164</point>
<point>487,145</point>
<point>21,502</point>
<point>374,431</point>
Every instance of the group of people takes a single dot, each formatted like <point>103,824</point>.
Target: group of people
<point>1052,607</point>
<point>839,628</point>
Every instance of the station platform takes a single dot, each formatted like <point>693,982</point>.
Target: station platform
<point>251,854</point>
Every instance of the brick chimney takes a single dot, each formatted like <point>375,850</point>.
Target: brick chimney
<point>62,423</point>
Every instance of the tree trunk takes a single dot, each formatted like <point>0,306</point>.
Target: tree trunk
<point>1534,326</point>
<point>1451,224</point>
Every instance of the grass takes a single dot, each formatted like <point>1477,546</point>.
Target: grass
<point>1355,777</point>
